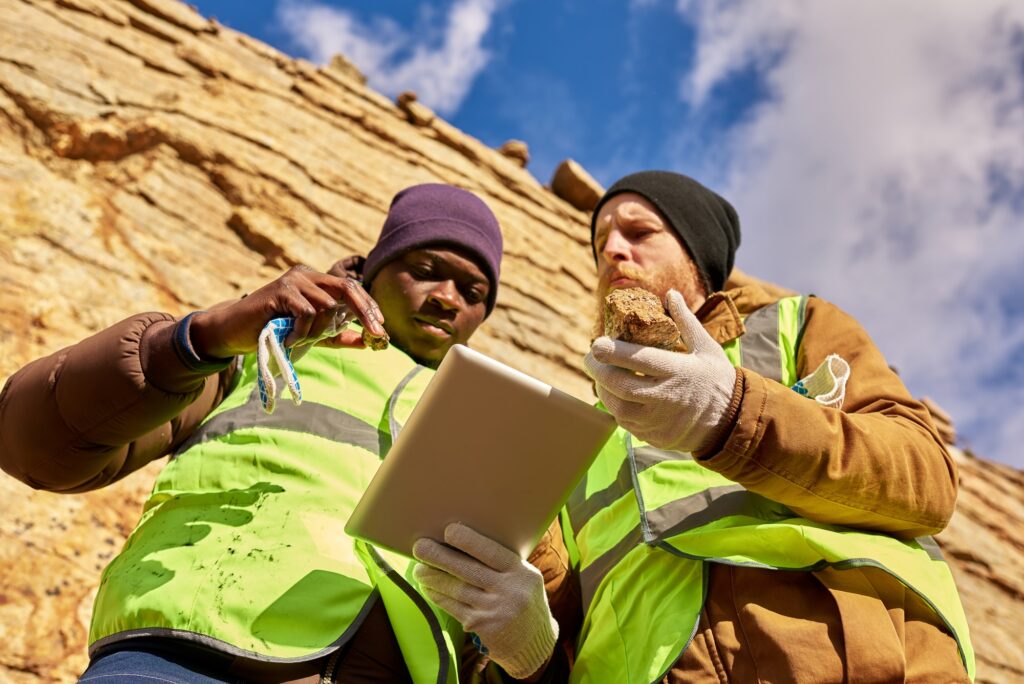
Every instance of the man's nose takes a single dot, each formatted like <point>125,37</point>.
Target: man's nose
<point>616,247</point>
<point>445,295</point>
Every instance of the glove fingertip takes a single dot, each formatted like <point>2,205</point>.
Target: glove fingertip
<point>602,347</point>
<point>454,532</point>
<point>677,307</point>
<point>421,549</point>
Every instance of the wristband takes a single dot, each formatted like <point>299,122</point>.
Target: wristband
<point>186,353</point>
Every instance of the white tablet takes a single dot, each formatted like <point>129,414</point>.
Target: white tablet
<point>487,446</point>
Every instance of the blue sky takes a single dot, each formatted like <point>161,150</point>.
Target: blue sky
<point>874,150</point>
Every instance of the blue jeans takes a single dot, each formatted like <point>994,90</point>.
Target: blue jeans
<point>145,667</point>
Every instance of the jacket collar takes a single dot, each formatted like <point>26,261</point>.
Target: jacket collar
<point>721,318</point>
<point>723,312</point>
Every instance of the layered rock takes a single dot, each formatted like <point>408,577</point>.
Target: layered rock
<point>153,159</point>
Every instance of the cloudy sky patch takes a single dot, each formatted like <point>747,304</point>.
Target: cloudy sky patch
<point>884,172</point>
<point>439,63</point>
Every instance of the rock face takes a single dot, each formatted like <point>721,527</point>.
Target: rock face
<point>152,159</point>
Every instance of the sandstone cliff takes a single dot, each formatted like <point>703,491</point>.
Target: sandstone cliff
<point>152,159</point>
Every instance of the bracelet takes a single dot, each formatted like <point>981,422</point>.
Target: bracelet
<point>187,354</point>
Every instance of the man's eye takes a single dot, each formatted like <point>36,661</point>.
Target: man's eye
<point>474,296</point>
<point>421,270</point>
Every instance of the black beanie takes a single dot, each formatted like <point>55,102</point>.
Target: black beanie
<point>705,222</point>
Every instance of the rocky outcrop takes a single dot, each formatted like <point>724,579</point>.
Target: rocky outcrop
<point>152,159</point>
<point>572,183</point>
<point>516,150</point>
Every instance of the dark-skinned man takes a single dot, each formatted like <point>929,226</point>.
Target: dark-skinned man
<point>240,568</point>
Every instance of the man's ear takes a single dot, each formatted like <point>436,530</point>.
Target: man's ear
<point>351,266</point>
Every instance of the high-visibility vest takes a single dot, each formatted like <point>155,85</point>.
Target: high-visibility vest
<point>643,525</point>
<point>241,545</point>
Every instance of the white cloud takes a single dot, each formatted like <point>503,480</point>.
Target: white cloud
<point>886,173</point>
<point>393,58</point>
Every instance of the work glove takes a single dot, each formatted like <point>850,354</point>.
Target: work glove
<point>494,593</point>
<point>671,400</point>
<point>273,358</point>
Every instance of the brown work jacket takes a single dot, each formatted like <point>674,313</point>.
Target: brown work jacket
<point>878,464</point>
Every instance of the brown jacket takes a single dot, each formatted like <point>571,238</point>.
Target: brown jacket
<point>878,464</point>
<point>88,415</point>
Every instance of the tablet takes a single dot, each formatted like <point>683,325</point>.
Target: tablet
<point>486,445</point>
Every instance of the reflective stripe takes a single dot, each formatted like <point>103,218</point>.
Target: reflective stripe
<point>582,510</point>
<point>224,647</point>
<point>648,456</point>
<point>308,418</point>
<point>759,346</point>
<point>932,547</point>
<point>393,399</point>
<point>592,575</point>
<point>696,510</point>
<point>675,518</point>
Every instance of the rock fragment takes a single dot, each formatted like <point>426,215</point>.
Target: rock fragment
<point>517,151</point>
<point>636,315</point>
<point>572,183</point>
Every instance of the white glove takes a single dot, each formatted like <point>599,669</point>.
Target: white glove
<point>273,358</point>
<point>493,593</point>
<point>671,400</point>
<point>827,384</point>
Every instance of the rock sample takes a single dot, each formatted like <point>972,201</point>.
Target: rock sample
<point>635,315</point>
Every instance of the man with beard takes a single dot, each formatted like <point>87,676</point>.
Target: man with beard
<point>762,513</point>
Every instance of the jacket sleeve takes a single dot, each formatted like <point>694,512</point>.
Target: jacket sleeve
<point>877,463</point>
<point>94,412</point>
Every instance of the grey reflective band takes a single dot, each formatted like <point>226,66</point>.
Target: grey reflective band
<point>224,647</point>
<point>581,509</point>
<point>667,521</point>
<point>648,456</point>
<point>309,418</point>
<point>393,425</point>
<point>932,547</point>
<point>759,345</point>
<point>592,575</point>
<point>705,507</point>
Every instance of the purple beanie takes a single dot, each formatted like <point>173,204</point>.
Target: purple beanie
<point>439,215</point>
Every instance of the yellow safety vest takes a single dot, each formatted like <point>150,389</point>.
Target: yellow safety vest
<point>644,524</point>
<point>241,546</point>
